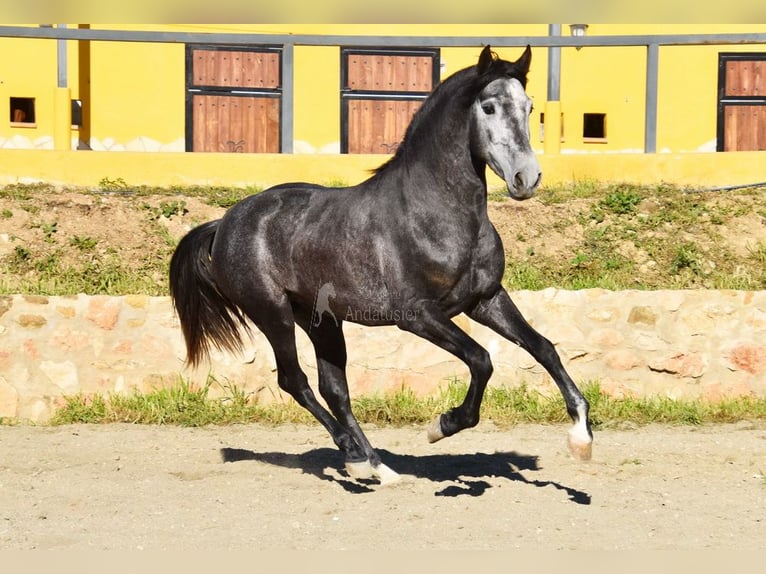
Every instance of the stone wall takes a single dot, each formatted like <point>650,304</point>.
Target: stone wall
<point>681,344</point>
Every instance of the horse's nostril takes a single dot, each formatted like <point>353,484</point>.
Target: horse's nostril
<point>518,180</point>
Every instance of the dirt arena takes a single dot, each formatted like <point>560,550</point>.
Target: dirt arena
<point>252,487</point>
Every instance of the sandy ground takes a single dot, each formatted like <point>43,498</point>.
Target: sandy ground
<point>253,487</point>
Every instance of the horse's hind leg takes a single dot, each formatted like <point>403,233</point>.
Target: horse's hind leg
<point>501,315</point>
<point>277,323</point>
<point>330,347</point>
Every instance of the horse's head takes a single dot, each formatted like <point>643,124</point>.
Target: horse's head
<point>500,122</point>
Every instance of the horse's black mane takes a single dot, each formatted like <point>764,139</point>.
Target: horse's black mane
<point>459,90</point>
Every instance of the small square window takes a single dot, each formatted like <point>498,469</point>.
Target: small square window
<point>23,110</point>
<point>594,127</point>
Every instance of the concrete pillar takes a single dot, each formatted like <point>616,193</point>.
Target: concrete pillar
<point>62,121</point>
<point>552,126</point>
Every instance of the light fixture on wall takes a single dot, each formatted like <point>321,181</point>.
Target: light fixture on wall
<point>578,30</point>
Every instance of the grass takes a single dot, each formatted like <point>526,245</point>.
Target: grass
<point>77,266</point>
<point>645,237</point>
<point>98,274</point>
<point>188,405</point>
<point>627,237</point>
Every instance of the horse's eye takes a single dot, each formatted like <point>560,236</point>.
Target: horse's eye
<point>488,109</point>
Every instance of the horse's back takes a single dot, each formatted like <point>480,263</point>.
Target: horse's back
<point>281,206</point>
<point>271,230</point>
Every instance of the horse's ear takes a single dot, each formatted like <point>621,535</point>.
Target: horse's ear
<point>522,64</point>
<point>485,60</point>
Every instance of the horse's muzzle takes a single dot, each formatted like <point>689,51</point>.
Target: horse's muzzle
<point>524,184</point>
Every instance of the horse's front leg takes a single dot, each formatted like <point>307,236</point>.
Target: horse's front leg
<point>501,315</point>
<point>432,324</point>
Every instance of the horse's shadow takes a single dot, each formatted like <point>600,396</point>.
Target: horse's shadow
<point>466,472</point>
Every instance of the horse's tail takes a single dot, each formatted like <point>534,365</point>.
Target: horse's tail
<point>206,315</point>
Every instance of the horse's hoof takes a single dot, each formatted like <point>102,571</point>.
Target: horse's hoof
<point>581,446</point>
<point>434,431</point>
<point>360,470</point>
<point>385,475</point>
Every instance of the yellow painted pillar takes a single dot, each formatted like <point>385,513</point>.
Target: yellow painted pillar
<point>552,126</point>
<point>62,121</point>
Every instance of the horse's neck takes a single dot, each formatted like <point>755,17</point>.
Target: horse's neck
<point>435,166</point>
<point>450,178</point>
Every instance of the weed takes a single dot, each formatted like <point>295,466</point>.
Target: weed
<point>171,208</point>
<point>225,197</point>
<point>580,261</point>
<point>758,254</point>
<point>621,201</point>
<point>24,191</point>
<point>523,275</point>
<point>30,208</point>
<point>686,257</point>
<point>47,265</point>
<point>48,230</point>
<point>21,254</point>
<point>497,194</point>
<point>716,219</point>
<point>83,243</point>
<point>166,209</point>
<point>111,185</point>
<point>550,195</point>
<point>6,214</point>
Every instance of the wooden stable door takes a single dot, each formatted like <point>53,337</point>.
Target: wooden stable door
<point>742,102</point>
<point>235,124</point>
<point>233,99</point>
<point>745,128</point>
<point>378,126</point>
<point>381,91</point>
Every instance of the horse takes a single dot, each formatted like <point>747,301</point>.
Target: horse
<point>410,246</point>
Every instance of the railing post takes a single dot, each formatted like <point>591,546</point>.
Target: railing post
<point>552,125</point>
<point>650,117</point>
<point>288,97</point>
<point>62,118</point>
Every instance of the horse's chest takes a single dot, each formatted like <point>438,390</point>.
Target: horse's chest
<point>465,267</point>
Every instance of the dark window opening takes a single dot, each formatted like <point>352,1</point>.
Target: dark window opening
<point>542,126</point>
<point>77,113</point>
<point>594,126</point>
<point>23,110</point>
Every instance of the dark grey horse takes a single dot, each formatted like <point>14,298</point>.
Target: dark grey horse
<point>411,246</point>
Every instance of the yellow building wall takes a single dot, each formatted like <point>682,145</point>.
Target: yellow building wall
<point>137,96</point>
<point>137,91</point>
<point>28,70</point>
<point>687,87</point>
<point>317,100</point>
